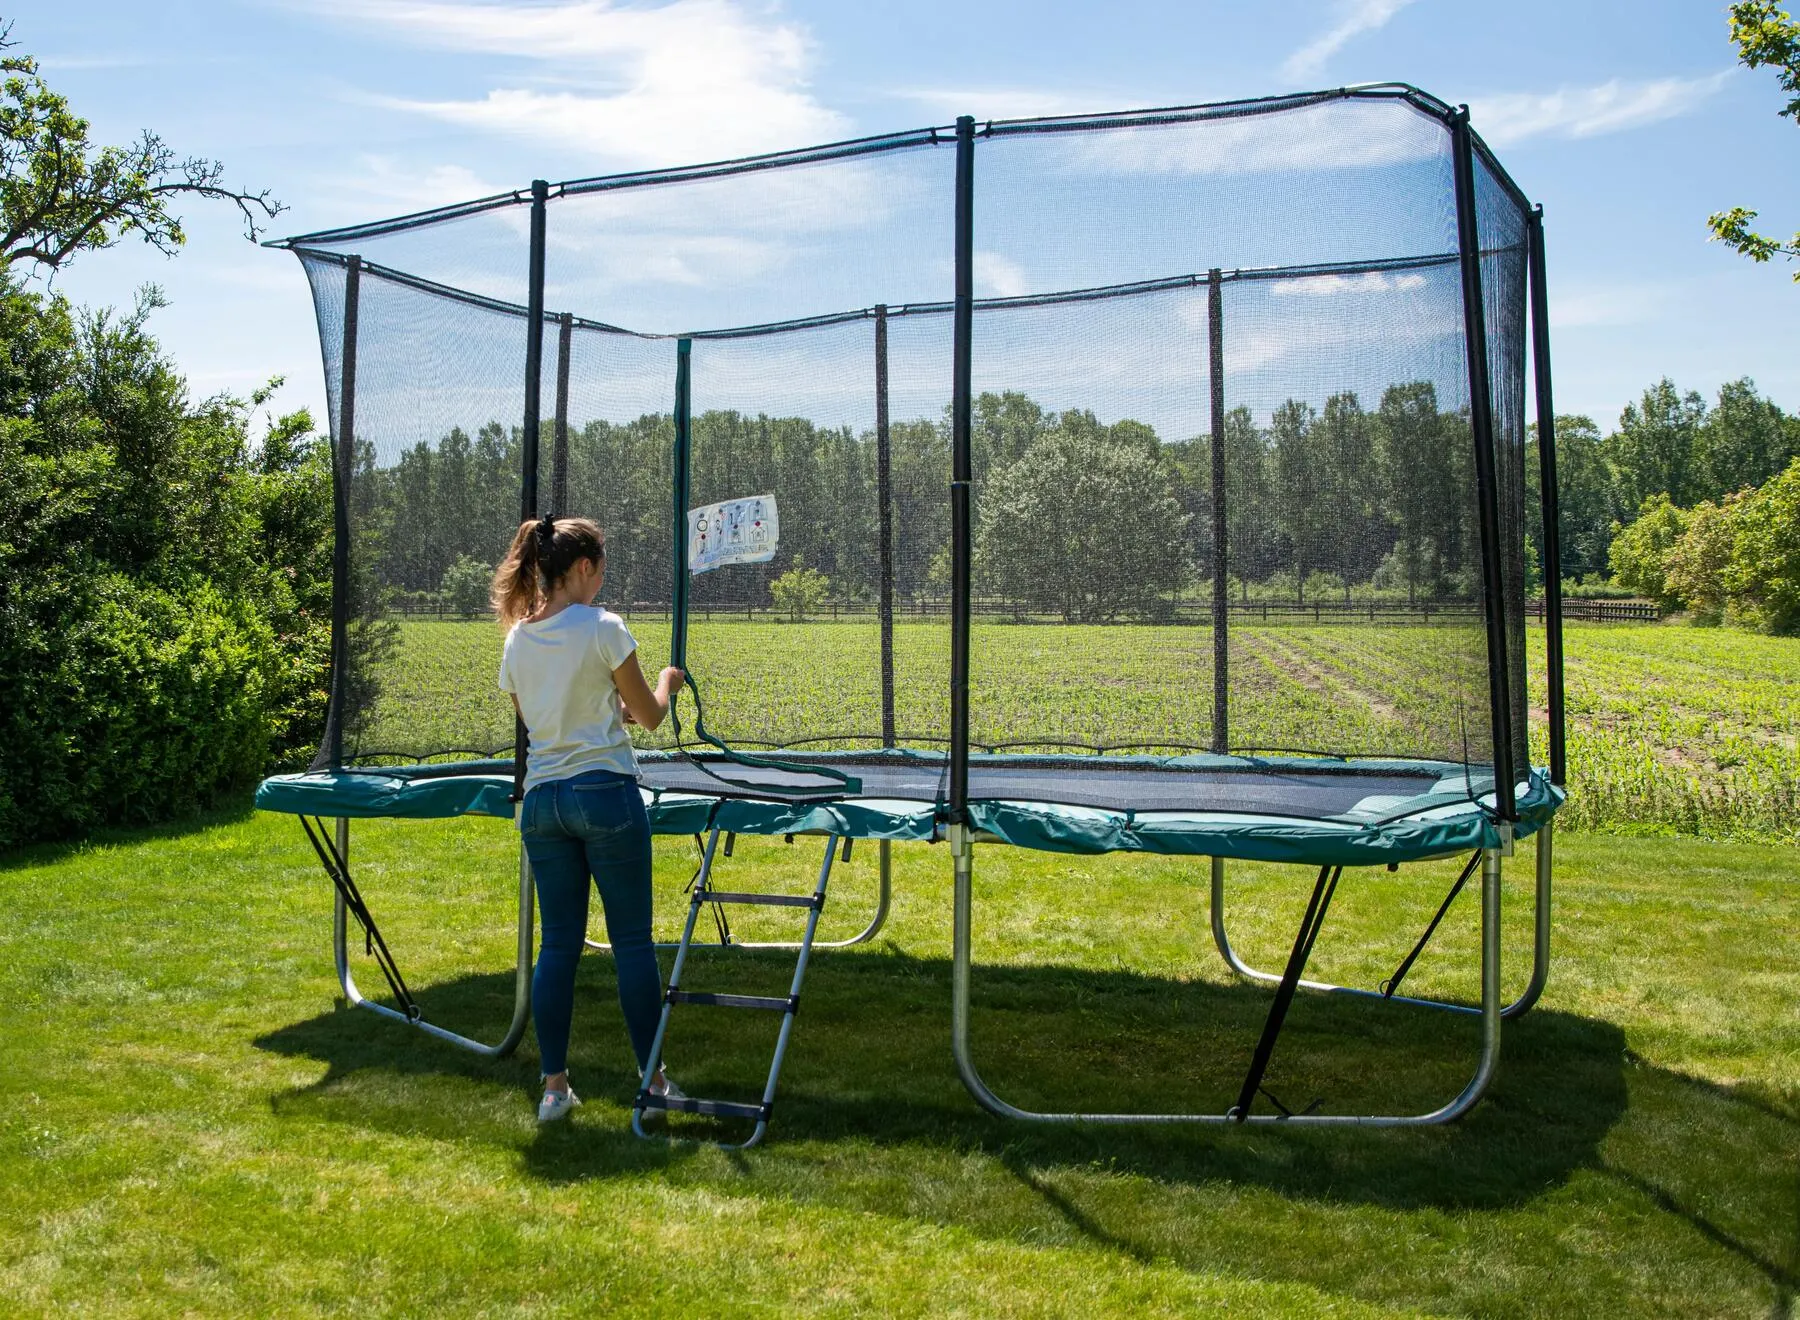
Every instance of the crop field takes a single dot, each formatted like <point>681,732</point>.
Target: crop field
<point>1671,730</point>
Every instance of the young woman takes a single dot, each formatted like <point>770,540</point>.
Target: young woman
<point>572,669</point>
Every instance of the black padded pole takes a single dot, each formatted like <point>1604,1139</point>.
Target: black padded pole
<point>559,453</point>
<point>678,623</point>
<point>1549,497</point>
<point>1487,484</point>
<point>331,750</point>
<point>884,496</point>
<point>534,355</point>
<point>528,440</point>
<point>1215,349</point>
<point>961,468</point>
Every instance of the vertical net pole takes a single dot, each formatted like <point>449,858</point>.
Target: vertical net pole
<point>331,753</point>
<point>534,355</point>
<point>678,623</point>
<point>1215,321</point>
<point>528,440</point>
<point>961,467</point>
<point>1549,496</point>
<point>1481,428</point>
<point>559,453</point>
<point>884,498</point>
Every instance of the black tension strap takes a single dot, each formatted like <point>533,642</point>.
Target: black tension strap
<point>1389,986</point>
<point>1323,888</point>
<point>719,919</point>
<point>838,784</point>
<point>373,944</point>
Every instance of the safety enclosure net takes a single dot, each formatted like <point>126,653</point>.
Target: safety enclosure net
<point>1194,431</point>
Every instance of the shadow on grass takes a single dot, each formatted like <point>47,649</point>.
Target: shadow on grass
<point>871,1065</point>
<point>232,809</point>
<point>1759,1133</point>
<point>871,1115</point>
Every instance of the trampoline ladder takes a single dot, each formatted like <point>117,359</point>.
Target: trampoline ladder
<point>787,1005</point>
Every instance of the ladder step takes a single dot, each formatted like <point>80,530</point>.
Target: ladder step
<point>760,900</point>
<point>710,1108</point>
<point>777,1003</point>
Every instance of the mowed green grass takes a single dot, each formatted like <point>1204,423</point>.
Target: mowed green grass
<point>190,1124</point>
<point>1672,730</point>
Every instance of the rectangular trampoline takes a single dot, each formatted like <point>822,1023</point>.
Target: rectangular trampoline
<point>1151,481</point>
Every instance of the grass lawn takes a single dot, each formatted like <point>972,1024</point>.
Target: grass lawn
<point>189,1124</point>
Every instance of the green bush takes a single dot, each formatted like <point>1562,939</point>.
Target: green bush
<point>1763,580</point>
<point>1639,554</point>
<point>466,585</point>
<point>165,582</point>
<point>146,705</point>
<point>800,591</point>
<point>1696,564</point>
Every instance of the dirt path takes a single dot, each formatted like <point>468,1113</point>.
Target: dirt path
<point>1307,672</point>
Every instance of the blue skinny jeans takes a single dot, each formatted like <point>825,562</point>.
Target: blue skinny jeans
<point>593,824</point>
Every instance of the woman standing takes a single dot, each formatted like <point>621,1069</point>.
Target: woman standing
<point>572,670</point>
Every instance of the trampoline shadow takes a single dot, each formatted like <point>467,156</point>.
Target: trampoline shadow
<point>871,1065</point>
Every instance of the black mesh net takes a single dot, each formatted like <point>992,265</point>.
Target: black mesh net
<point>1270,293</point>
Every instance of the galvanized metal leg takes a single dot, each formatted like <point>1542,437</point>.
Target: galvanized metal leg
<point>883,905</point>
<point>521,976</point>
<point>962,853</point>
<point>1540,945</point>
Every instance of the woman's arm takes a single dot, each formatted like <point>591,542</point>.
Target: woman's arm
<point>645,707</point>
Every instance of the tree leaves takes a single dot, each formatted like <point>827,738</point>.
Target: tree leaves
<point>60,195</point>
<point>1766,37</point>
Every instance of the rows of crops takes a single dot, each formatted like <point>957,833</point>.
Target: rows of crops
<point>1670,729</point>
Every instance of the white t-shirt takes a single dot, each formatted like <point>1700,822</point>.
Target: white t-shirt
<point>561,671</point>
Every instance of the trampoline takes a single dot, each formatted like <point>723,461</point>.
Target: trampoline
<point>1200,532</point>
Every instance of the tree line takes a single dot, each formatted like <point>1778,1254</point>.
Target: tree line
<point>1074,517</point>
<point>1669,444</point>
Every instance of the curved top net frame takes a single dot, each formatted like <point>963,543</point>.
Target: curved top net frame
<point>1041,270</point>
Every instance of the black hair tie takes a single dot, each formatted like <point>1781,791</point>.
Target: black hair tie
<point>546,529</point>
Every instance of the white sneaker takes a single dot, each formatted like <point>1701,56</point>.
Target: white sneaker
<point>556,1105</point>
<point>668,1090</point>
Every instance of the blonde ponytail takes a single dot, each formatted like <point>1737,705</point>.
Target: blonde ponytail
<point>515,590</point>
<point>542,552</point>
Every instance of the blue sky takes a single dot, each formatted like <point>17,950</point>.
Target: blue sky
<point>1629,121</point>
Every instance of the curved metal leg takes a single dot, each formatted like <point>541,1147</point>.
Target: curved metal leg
<point>962,851</point>
<point>883,902</point>
<point>521,976</point>
<point>1540,946</point>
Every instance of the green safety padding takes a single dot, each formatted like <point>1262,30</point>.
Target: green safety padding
<point>1439,822</point>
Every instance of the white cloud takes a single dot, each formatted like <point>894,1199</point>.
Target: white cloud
<point>688,80</point>
<point>1337,135</point>
<point>1329,286</point>
<point>999,277</point>
<point>1579,112</point>
<point>1355,18</point>
<point>396,186</point>
<point>998,102</point>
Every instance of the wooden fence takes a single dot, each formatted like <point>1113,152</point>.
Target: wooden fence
<point>1186,614</point>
